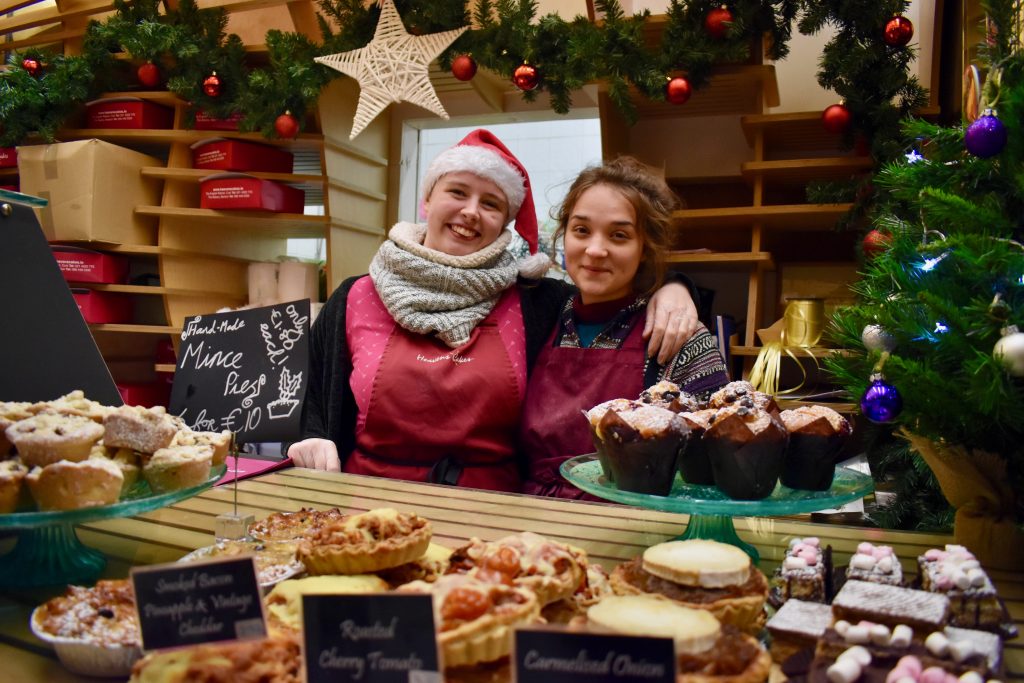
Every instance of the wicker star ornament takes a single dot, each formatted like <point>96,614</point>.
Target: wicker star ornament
<point>392,67</point>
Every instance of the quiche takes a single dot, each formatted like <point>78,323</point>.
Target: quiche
<point>292,526</point>
<point>369,542</point>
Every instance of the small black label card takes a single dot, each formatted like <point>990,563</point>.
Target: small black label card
<point>553,656</point>
<point>376,638</point>
<point>198,602</point>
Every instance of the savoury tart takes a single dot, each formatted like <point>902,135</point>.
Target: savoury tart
<point>292,526</point>
<point>552,570</point>
<point>475,619</point>
<point>739,605</point>
<point>366,543</point>
<point>238,661</point>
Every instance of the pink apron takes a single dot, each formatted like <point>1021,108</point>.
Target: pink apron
<point>442,415</point>
<point>563,382</point>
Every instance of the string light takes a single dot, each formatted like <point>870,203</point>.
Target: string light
<point>929,264</point>
<point>914,156</point>
<point>940,328</point>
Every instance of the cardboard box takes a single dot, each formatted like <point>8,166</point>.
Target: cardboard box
<point>235,155</point>
<point>103,307</point>
<point>93,188</point>
<point>205,121</point>
<point>85,265</point>
<point>8,157</point>
<point>240,191</point>
<point>128,112</point>
<point>145,394</point>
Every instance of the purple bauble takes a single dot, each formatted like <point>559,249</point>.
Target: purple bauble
<point>881,402</point>
<point>986,137</point>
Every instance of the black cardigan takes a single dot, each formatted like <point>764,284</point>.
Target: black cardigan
<point>329,411</point>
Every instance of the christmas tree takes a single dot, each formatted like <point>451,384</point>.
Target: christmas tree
<point>938,357</point>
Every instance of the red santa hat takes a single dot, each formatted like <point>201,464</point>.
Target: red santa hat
<point>483,154</point>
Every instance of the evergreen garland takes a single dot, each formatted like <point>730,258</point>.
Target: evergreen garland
<point>189,44</point>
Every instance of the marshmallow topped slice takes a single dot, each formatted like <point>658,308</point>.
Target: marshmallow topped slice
<point>708,564</point>
<point>694,630</point>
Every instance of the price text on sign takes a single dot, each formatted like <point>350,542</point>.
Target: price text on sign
<point>198,602</point>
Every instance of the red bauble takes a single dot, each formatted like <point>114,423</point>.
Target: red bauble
<point>286,126</point>
<point>30,65</point>
<point>148,75</point>
<point>463,68</point>
<point>526,77</point>
<point>875,242</point>
<point>836,118</point>
<point>211,85</point>
<point>898,31</point>
<point>718,21</point>
<point>678,90</point>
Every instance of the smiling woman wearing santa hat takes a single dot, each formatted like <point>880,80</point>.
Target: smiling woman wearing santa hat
<point>418,370</point>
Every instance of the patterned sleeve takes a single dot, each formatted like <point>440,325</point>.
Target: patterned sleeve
<point>698,368</point>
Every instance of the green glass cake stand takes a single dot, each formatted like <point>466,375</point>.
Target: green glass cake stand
<point>711,511</point>
<point>47,550</point>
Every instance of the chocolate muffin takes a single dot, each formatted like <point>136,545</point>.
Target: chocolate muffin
<point>642,445</point>
<point>669,396</point>
<point>816,436</point>
<point>747,448</point>
<point>594,416</point>
<point>743,393</point>
<point>695,463</point>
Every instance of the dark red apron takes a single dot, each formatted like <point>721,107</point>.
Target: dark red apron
<point>442,415</point>
<point>563,382</point>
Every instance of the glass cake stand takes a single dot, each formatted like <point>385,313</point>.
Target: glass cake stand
<point>710,510</point>
<point>47,550</point>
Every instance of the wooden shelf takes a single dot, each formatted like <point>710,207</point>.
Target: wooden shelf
<point>151,250</point>
<point>134,329</point>
<point>197,174</point>
<point>164,367</point>
<point>279,224</point>
<point>838,406</point>
<point>815,351</point>
<point>804,170</point>
<point>8,172</point>
<point>722,259</point>
<point>732,89</point>
<point>781,216</point>
<point>170,136</point>
<point>153,290</point>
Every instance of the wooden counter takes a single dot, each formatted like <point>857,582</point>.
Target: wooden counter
<point>609,533</point>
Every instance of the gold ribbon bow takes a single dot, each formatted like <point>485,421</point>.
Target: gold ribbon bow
<point>802,325</point>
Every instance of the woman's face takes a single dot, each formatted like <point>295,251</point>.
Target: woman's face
<point>603,246</point>
<point>465,213</point>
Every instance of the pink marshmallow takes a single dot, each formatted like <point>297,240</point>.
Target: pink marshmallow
<point>911,664</point>
<point>882,551</point>
<point>809,554</point>
<point>865,548</point>
<point>812,540</point>
<point>933,554</point>
<point>932,674</point>
<point>951,678</point>
<point>898,673</point>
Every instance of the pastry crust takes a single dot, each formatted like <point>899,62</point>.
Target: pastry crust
<point>293,526</point>
<point>756,671</point>
<point>485,633</point>
<point>146,430</point>
<point>366,543</point>
<point>48,438</point>
<point>71,485</point>
<point>72,403</point>
<point>742,607</point>
<point>178,467</point>
<point>284,602</point>
<point>220,442</point>
<point>238,661</point>
<point>12,473</point>
<point>552,570</point>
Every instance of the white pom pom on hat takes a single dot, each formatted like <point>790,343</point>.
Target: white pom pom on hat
<point>483,154</point>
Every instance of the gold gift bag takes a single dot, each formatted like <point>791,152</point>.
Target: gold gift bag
<point>975,483</point>
<point>800,328</point>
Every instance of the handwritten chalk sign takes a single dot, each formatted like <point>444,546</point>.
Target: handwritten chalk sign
<point>378,638</point>
<point>245,371</point>
<point>558,656</point>
<point>198,602</point>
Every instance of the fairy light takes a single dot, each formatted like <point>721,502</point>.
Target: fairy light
<point>929,264</point>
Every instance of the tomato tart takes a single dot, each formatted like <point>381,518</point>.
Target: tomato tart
<point>552,570</point>
<point>369,542</point>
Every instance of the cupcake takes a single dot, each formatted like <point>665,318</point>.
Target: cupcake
<point>747,448</point>
<point>12,473</point>
<point>816,435</point>
<point>669,396</point>
<point>642,446</point>
<point>695,463</point>
<point>69,485</point>
<point>594,416</point>
<point>743,393</point>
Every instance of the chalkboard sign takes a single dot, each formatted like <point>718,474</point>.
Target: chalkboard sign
<point>46,347</point>
<point>558,656</point>
<point>377,638</point>
<point>198,602</point>
<point>245,371</point>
